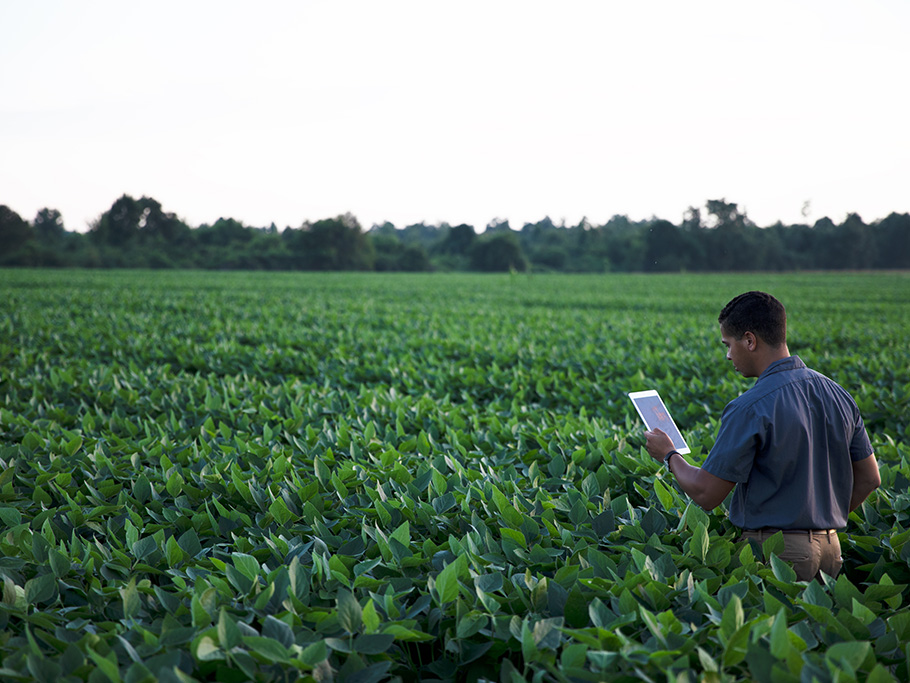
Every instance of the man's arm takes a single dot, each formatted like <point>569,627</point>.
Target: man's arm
<point>866,479</point>
<point>707,490</point>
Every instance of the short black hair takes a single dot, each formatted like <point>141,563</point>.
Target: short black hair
<point>756,312</point>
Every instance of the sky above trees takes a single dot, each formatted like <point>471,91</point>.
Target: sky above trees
<point>409,112</point>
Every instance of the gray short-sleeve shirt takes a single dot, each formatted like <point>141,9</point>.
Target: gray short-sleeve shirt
<point>789,443</point>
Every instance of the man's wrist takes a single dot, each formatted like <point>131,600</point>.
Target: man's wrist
<point>668,456</point>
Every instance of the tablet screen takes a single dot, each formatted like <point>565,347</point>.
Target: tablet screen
<point>654,413</point>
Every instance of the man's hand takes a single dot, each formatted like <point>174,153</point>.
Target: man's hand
<point>658,444</point>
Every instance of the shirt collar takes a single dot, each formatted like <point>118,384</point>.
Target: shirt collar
<point>782,365</point>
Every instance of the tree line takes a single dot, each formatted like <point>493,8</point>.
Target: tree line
<point>138,233</point>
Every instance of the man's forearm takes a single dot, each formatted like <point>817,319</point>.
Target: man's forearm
<point>704,488</point>
<point>860,493</point>
<point>866,479</point>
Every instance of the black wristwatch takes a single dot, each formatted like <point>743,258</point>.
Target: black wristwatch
<point>667,459</point>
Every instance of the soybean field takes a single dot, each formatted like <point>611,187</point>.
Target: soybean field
<point>367,477</point>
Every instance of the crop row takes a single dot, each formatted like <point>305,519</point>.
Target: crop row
<point>219,477</point>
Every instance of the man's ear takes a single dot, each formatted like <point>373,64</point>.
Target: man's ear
<point>751,340</point>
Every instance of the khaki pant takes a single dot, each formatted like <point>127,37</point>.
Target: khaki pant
<point>808,552</point>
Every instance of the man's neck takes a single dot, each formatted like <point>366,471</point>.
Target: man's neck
<point>772,355</point>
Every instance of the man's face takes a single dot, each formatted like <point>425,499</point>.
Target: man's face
<point>738,352</point>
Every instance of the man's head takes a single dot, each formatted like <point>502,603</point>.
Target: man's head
<point>755,312</point>
<point>753,327</point>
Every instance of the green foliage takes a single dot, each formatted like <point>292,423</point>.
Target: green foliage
<point>331,244</point>
<point>275,477</point>
<point>14,233</point>
<point>497,252</point>
<point>139,234</point>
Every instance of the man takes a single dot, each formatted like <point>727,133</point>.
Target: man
<point>794,445</point>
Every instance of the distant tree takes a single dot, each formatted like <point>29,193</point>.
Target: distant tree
<point>257,249</point>
<point>457,240</point>
<point>14,233</point>
<point>892,236</point>
<point>498,225</point>
<point>624,244</point>
<point>386,229</point>
<point>550,257</point>
<point>50,243</point>
<point>130,220</point>
<point>546,225</point>
<point>223,232</point>
<point>858,242</point>
<point>332,244</point>
<point>156,225</point>
<point>534,235</point>
<point>728,244</point>
<point>48,226</point>
<point>792,247</point>
<point>423,234</point>
<point>587,246</point>
<point>450,250</point>
<point>498,252</point>
<point>546,245</point>
<point>692,221</point>
<point>119,225</point>
<point>725,214</point>
<point>667,248</point>
<point>849,245</point>
<point>824,248</point>
<point>392,255</point>
<point>413,258</point>
<point>386,249</point>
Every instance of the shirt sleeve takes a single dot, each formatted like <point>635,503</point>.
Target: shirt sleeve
<point>734,450</point>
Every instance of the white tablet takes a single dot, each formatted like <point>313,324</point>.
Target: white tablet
<point>654,413</point>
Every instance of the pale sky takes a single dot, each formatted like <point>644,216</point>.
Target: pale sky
<point>455,112</point>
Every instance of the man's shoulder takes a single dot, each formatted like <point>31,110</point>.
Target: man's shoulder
<point>785,381</point>
<point>807,373</point>
<point>786,373</point>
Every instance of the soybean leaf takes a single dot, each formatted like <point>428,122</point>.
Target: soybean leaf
<point>782,570</point>
<point>269,648</point>
<point>314,653</point>
<point>700,541</point>
<point>373,644</point>
<point>10,516</point>
<point>107,665</point>
<point>189,543</point>
<point>41,589</point>
<point>280,512</point>
<point>773,545</point>
<point>132,603</point>
<point>780,642</point>
<point>852,653</point>
<point>246,565</point>
<point>447,581</point>
<point>228,633</point>
<point>371,674</point>
<point>350,613</point>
